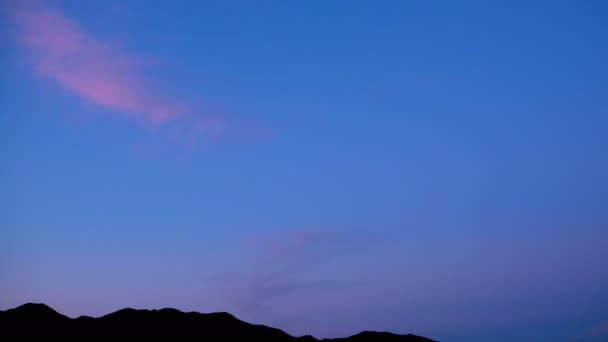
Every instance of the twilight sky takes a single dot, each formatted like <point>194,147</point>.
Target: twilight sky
<point>323,166</point>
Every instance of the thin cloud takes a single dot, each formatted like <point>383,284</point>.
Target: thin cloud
<point>64,52</point>
<point>278,267</point>
<point>59,49</point>
<point>599,330</point>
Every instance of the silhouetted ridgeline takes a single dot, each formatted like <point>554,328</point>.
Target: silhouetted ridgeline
<point>39,320</point>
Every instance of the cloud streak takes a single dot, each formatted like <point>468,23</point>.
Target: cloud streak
<point>59,49</point>
<point>279,267</point>
<point>66,53</point>
<point>598,330</point>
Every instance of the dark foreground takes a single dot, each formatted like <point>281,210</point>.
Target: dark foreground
<point>39,320</point>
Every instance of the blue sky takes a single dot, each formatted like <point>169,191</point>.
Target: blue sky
<point>324,167</point>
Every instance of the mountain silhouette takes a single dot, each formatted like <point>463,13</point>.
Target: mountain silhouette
<point>38,320</point>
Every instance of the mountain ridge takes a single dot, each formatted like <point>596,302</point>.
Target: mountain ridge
<point>40,320</point>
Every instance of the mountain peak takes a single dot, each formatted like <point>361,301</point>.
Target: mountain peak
<point>224,315</point>
<point>365,336</point>
<point>34,306</point>
<point>36,310</point>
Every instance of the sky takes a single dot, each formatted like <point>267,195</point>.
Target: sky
<point>323,167</point>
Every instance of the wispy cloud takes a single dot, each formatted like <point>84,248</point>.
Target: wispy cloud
<point>278,267</point>
<point>78,61</point>
<point>285,278</point>
<point>598,330</point>
<point>60,49</point>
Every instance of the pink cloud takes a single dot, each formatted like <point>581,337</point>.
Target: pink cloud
<point>276,266</point>
<point>60,49</point>
<point>78,61</point>
<point>598,330</point>
<point>284,246</point>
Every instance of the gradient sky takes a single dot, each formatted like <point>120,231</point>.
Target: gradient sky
<point>324,167</point>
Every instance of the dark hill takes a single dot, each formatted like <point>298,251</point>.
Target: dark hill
<point>39,320</point>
